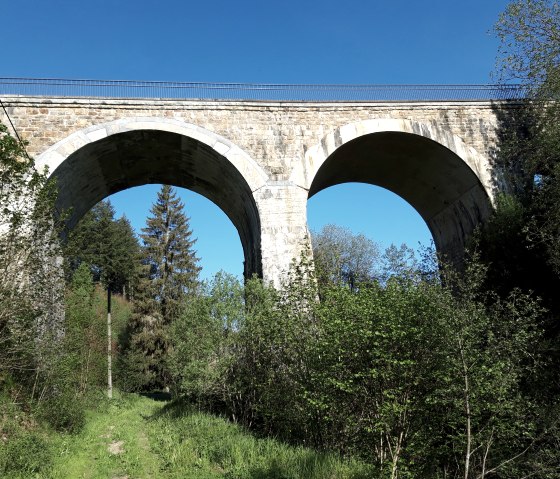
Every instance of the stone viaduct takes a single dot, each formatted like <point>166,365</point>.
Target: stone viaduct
<point>260,160</point>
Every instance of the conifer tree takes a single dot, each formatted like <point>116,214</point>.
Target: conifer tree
<point>108,245</point>
<point>168,254</point>
<point>170,275</point>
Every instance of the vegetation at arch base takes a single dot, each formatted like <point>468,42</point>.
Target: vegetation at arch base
<point>33,385</point>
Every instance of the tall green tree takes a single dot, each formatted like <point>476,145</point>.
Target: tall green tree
<point>108,245</point>
<point>168,253</point>
<point>169,278</point>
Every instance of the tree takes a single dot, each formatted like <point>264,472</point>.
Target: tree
<point>529,51</point>
<point>529,33</point>
<point>203,341</point>
<point>527,216</point>
<point>483,419</point>
<point>424,379</point>
<point>168,253</point>
<point>342,257</point>
<point>108,245</point>
<point>169,278</point>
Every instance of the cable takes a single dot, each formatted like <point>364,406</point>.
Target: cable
<point>22,144</point>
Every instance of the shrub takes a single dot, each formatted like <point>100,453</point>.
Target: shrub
<point>27,453</point>
<point>63,412</point>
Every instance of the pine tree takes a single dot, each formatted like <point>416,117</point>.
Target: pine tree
<point>168,254</point>
<point>170,275</point>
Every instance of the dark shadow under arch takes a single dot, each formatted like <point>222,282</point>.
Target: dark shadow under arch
<point>134,158</point>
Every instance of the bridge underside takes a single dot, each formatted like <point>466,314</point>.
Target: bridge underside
<point>139,157</point>
<point>271,221</point>
<point>430,177</point>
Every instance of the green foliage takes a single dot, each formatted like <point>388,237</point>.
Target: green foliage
<point>78,367</point>
<point>25,455</point>
<point>527,219</point>
<point>421,379</point>
<point>529,148</point>
<point>168,284</point>
<point>342,257</point>
<point>529,34</point>
<point>202,340</point>
<point>62,411</point>
<point>168,254</point>
<point>29,297</point>
<point>145,346</point>
<point>80,329</point>
<point>108,245</point>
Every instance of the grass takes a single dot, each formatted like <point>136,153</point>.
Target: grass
<point>136,437</point>
<point>113,444</point>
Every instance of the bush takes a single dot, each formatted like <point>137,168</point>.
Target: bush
<point>63,412</point>
<point>27,453</point>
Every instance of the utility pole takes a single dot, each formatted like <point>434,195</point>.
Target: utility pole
<point>109,348</point>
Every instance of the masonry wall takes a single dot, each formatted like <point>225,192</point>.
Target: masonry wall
<point>274,134</point>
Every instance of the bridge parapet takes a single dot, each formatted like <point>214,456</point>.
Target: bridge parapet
<point>58,87</point>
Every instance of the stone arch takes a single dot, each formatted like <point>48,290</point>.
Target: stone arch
<point>98,161</point>
<point>444,179</point>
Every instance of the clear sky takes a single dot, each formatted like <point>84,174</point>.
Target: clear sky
<point>369,41</point>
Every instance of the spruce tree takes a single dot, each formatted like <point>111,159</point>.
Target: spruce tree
<point>168,254</point>
<point>108,245</point>
<point>169,277</point>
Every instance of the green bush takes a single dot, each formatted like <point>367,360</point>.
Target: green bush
<point>63,412</point>
<point>25,454</point>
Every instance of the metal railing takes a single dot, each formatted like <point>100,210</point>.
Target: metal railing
<point>53,87</point>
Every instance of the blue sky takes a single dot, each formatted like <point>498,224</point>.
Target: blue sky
<point>349,42</point>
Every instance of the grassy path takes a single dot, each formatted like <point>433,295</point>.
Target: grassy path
<point>138,438</point>
<point>114,444</point>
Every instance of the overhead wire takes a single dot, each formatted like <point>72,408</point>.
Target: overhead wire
<point>22,144</point>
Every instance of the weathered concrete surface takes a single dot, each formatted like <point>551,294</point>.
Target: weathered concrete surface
<point>260,161</point>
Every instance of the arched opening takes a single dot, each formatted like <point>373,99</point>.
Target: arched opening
<point>218,245</point>
<point>100,161</point>
<point>432,178</point>
<point>370,210</point>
